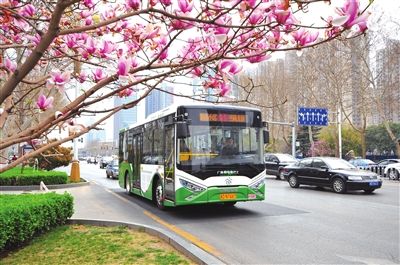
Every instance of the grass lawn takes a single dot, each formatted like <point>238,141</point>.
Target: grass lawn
<point>77,244</point>
<point>29,171</point>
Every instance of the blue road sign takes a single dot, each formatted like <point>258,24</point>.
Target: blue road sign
<point>312,116</point>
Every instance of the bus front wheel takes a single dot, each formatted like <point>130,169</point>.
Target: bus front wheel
<point>159,194</point>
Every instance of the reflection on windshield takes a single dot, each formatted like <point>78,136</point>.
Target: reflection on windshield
<point>339,164</point>
<point>218,145</point>
<point>286,158</point>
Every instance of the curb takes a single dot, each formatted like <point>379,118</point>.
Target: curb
<point>193,252</point>
<point>50,187</point>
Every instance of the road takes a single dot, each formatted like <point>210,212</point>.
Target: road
<point>305,225</point>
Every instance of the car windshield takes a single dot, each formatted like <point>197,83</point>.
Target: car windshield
<point>286,158</point>
<point>336,163</point>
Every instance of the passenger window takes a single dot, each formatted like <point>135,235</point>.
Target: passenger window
<point>305,163</point>
<point>318,163</point>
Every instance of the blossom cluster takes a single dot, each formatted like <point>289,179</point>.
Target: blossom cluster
<point>133,42</point>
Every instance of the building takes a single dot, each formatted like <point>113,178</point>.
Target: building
<point>123,118</point>
<point>158,99</point>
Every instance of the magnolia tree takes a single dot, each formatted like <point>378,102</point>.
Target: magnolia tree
<point>120,49</point>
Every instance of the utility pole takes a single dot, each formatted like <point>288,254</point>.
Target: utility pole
<point>339,121</point>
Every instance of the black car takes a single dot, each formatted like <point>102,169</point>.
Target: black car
<point>274,163</point>
<point>331,172</point>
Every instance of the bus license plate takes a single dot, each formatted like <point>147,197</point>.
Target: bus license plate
<point>227,196</point>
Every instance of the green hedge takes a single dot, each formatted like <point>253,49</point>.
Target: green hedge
<point>22,216</point>
<point>14,177</point>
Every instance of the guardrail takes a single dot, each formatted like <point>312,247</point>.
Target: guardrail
<point>374,168</point>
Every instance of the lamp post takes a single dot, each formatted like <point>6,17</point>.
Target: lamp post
<point>75,175</point>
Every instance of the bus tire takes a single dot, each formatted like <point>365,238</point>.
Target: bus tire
<point>229,204</point>
<point>127,184</point>
<point>158,193</point>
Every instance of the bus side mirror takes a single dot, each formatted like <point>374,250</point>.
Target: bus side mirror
<point>266,136</point>
<point>182,130</point>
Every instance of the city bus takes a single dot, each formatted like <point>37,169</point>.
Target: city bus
<point>176,156</point>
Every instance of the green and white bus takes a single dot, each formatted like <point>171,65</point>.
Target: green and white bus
<point>175,157</point>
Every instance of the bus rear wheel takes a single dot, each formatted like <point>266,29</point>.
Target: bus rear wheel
<point>229,204</point>
<point>159,194</point>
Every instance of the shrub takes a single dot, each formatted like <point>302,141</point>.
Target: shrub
<point>25,215</point>
<point>14,177</point>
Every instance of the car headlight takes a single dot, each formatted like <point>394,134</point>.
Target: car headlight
<point>354,178</point>
<point>191,186</point>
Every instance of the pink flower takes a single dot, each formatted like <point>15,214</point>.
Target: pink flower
<point>178,24</point>
<point>281,16</point>
<point>255,17</point>
<point>123,67</point>
<point>9,65</point>
<point>82,77</point>
<point>125,93</point>
<point>98,75</point>
<point>58,79</point>
<point>349,16</point>
<point>133,4</point>
<point>229,67</point>
<point>185,5</point>
<point>197,71</point>
<point>225,88</point>
<point>90,45</point>
<point>88,3</point>
<point>303,37</point>
<point>163,55</point>
<point>27,10</point>
<point>166,2</point>
<point>44,103</point>
<point>107,48</point>
<point>258,58</point>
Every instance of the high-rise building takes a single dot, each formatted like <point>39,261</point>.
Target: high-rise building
<point>158,99</point>
<point>123,118</point>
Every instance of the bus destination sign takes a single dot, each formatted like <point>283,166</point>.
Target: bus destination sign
<point>222,117</point>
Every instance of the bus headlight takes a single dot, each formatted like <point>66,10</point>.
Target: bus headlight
<point>257,184</point>
<point>191,186</point>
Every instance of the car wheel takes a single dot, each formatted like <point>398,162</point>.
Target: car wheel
<point>369,191</point>
<point>107,175</point>
<point>159,194</point>
<point>338,185</point>
<point>127,184</point>
<point>393,174</point>
<point>293,181</point>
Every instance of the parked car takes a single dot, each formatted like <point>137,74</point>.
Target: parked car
<point>332,172</point>
<point>91,160</point>
<point>274,163</point>
<point>392,171</point>
<point>362,162</point>
<point>112,169</point>
<point>384,163</point>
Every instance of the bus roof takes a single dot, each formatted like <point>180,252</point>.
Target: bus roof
<point>173,108</point>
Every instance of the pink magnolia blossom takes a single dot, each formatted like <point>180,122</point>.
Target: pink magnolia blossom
<point>44,103</point>
<point>9,65</point>
<point>90,46</point>
<point>82,77</point>
<point>57,79</point>
<point>229,67</point>
<point>107,48</point>
<point>124,66</point>
<point>197,71</point>
<point>178,24</point>
<point>281,16</point>
<point>163,55</point>
<point>125,93</point>
<point>255,17</point>
<point>133,4</point>
<point>27,10</point>
<point>185,6</point>
<point>224,89</point>
<point>166,2</point>
<point>98,75</point>
<point>349,16</point>
<point>258,58</point>
<point>303,37</point>
<point>88,3</point>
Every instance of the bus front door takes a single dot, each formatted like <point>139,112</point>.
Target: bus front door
<point>137,147</point>
<point>169,163</point>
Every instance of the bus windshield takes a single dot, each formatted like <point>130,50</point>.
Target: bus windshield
<point>220,145</point>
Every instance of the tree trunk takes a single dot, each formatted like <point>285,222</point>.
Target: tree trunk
<point>363,144</point>
<point>395,140</point>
